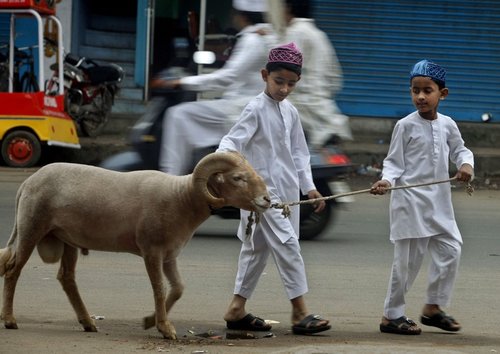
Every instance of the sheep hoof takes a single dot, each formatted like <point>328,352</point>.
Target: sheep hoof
<point>148,322</point>
<point>167,330</point>
<point>10,325</point>
<point>88,326</point>
<point>9,322</point>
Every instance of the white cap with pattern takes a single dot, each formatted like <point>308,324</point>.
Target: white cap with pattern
<point>250,5</point>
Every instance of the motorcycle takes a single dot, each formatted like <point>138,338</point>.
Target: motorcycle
<point>90,88</point>
<point>329,164</point>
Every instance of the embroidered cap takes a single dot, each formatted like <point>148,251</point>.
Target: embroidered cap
<point>429,69</point>
<point>288,53</point>
<point>250,5</point>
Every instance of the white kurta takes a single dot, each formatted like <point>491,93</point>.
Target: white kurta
<point>198,124</point>
<point>320,81</point>
<point>269,134</point>
<point>420,152</point>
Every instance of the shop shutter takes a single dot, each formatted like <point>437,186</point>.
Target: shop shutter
<point>378,42</point>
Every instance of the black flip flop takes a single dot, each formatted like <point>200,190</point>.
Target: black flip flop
<point>249,323</point>
<point>309,325</point>
<point>401,325</point>
<point>441,320</point>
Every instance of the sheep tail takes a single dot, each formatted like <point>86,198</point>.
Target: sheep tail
<point>8,254</point>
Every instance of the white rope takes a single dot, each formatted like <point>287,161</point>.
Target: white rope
<point>286,206</point>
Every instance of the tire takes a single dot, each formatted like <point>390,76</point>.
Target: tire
<point>313,224</point>
<point>28,83</point>
<point>93,124</point>
<point>21,149</point>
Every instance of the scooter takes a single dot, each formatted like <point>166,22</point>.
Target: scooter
<point>329,164</point>
<point>90,88</point>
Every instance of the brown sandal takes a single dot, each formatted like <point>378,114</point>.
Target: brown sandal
<point>441,320</point>
<point>401,325</point>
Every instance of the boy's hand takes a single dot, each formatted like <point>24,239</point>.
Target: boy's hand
<point>465,173</point>
<point>319,205</point>
<point>380,187</point>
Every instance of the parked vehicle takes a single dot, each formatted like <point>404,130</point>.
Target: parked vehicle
<point>329,164</point>
<point>89,90</point>
<point>32,120</point>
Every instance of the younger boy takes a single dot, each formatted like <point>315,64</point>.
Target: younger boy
<point>422,219</point>
<point>269,134</point>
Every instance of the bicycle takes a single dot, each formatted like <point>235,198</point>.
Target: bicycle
<point>28,81</point>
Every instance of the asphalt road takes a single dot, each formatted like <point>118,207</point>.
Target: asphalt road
<point>348,268</point>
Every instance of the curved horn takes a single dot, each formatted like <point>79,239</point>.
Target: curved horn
<point>208,166</point>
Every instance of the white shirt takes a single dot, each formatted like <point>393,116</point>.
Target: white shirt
<point>420,152</point>
<point>239,77</point>
<point>269,134</point>
<point>320,81</point>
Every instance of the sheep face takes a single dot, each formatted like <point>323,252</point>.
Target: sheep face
<point>227,179</point>
<point>241,188</point>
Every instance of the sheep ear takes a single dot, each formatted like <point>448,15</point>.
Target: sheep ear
<point>219,178</point>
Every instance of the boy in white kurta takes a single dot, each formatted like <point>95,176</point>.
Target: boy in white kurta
<point>269,134</point>
<point>422,219</point>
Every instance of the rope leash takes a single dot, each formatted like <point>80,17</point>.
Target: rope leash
<point>286,206</point>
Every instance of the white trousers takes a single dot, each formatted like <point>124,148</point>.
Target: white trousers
<point>187,126</point>
<point>444,253</point>
<point>253,259</point>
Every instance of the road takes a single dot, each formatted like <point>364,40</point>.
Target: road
<point>347,269</point>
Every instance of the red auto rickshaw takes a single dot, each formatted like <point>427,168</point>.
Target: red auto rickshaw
<point>31,121</point>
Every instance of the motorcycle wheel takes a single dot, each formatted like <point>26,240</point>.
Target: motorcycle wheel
<point>93,124</point>
<point>313,224</point>
<point>21,149</point>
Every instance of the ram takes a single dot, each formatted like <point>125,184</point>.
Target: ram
<point>65,207</point>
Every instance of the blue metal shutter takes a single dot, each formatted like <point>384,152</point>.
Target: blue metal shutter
<point>378,42</point>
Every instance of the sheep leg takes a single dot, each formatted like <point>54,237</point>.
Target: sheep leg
<point>22,254</point>
<point>153,266</point>
<point>66,277</point>
<point>176,289</point>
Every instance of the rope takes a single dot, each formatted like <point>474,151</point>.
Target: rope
<point>286,206</point>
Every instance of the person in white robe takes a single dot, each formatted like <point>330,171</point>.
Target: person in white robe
<point>270,135</point>
<point>422,219</point>
<point>322,79</point>
<point>192,125</point>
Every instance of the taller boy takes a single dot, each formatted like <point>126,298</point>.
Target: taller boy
<point>269,134</point>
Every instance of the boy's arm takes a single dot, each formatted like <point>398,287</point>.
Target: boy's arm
<point>393,163</point>
<point>301,156</point>
<point>462,157</point>
<point>241,132</point>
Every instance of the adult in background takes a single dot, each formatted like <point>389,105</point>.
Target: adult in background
<point>321,77</point>
<point>199,124</point>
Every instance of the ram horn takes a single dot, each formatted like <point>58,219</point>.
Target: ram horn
<point>210,165</point>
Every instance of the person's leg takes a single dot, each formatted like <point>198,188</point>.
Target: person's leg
<point>291,268</point>
<point>408,257</point>
<point>252,261</point>
<point>185,127</point>
<point>445,254</point>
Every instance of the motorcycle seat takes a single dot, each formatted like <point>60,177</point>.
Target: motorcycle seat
<point>101,74</point>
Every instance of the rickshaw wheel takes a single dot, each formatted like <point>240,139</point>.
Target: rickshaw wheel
<point>21,149</point>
